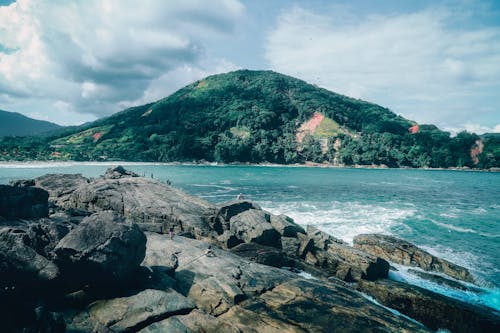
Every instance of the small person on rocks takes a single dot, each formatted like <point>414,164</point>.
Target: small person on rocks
<point>209,252</point>
<point>240,197</point>
<point>171,233</point>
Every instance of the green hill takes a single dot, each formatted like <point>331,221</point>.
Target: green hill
<point>15,124</point>
<point>257,116</point>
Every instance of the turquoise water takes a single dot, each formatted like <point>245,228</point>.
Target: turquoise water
<point>452,214</point>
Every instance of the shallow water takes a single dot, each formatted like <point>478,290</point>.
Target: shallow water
<point>452,214</point>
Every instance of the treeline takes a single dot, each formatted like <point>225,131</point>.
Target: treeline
<point>253,116</point>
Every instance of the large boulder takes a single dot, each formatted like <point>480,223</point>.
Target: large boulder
<point>101,247</point>
<point>232,208</point>
<point>194,322</point>
<point>22,270</point>
<point>23,202</point>
<point>60,186</point>
<point>261,254</point>
<point>402,252</point>
<point>286,226</point>
<point>339,259</point>
<point>301,305</point>
<point>255,226</point>
<point>433,310</point>
<point>151,204</point>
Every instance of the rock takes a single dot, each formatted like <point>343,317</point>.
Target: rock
<point>339,259</point>
<point>194,322</point>
<point>46,322</point>
<point>60,186</point>
<point>441,280</point>
<point>433,310</point>
<point>286,226</point>
<point>100,248</point>
<point>119,172</point>
<point>22,183</point>
<point>301,305</point>
<point>214,279</point>
<point>147,202</point>
<point>22,270</point>
<point>130,314</point>
<point>262,254</point>
<point>402,252</point>
<point>232,208</point>
<point>228,240</point>
<point>23,202</point>
<point>254,226</point>
<point>45,234</point>
<point>290,246</point>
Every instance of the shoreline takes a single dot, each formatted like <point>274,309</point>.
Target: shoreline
<point>49,163</point>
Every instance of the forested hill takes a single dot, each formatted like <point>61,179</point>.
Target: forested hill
<point>15,124</point>
<point>259,116</point>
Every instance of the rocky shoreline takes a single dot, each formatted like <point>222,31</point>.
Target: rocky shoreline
<point>95,255</point>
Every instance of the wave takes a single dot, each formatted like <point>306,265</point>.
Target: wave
<point>483,295</point>
<point>463,230</point>
<point>344,220</point>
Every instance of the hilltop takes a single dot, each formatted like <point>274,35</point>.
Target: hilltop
<point>15,124</point>
<point>260,116</point>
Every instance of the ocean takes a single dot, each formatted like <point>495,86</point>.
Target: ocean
<point>451,214</point>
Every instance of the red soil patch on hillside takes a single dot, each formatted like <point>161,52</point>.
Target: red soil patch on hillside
<point>309,126</point>
<point>97,136</point>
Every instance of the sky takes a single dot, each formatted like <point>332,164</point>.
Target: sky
<point>71,62</point>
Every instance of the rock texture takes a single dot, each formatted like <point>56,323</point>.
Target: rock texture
<point>405,253</point>
<point>23,202</point>
<point>339,259</point>
<point>227,268</point>
<point>433,310</point>
<point>101,247</point>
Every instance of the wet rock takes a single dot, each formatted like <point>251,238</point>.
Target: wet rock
<point>23,202</point>
<point>286,226</point>
<point>254,226</point>
<point>301,305</point>
<point>100,248</point>
<point>339,259</point>
<point>402,252</point>
<point>194,322</point>
<point>45,234</point>
<point>441,280</point>
<point>433,310</point>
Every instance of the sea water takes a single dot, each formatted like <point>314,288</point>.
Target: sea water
<point>452,214</point>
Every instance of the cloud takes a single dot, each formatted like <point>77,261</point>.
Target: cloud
<point>426,65</point>
<point>96,55</point>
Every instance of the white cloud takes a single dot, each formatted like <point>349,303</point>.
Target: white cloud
<point>95,55</point>
<point>422,65</point>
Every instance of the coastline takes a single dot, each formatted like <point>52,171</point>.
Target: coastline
<point>49,163</point>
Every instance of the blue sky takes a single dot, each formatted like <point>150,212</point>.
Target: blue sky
<point>430,61</point>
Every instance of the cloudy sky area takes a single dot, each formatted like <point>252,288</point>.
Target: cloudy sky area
<point>430,61</point>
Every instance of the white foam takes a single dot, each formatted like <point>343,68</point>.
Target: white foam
<point>344,220</point>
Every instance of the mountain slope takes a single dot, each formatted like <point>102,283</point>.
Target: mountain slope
<point>260,116</point>
<point>15,124</point>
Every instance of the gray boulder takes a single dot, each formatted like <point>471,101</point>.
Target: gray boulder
<point>402,252</point>
<point>23,202</point>
<point>101,246</point>
<point>262,254</point>
<point>339,259</point>
<point>60,186</point>
<point>194,322</point>
<point>286,226</point>
<point>232,208</point>
<point>301,305</point>
<point>151,204</point>
<point>255,226</point>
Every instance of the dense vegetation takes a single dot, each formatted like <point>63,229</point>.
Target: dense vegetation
<point>254,116</point>
<point>15,124</point>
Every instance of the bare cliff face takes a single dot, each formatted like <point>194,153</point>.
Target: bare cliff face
<point>107,262</point>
